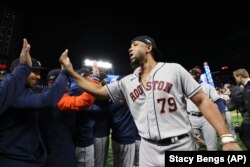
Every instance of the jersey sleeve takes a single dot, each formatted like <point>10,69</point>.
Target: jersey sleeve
<point>114,90</point>
<point>213,95</point>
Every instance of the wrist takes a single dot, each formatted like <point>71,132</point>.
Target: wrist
<point>227,138</point>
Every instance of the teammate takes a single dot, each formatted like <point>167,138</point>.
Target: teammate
<point>137,136</point>
<point>103,120</point>
<point>224,94</point>
<point>21,144</point>
<point>199,123</point>
<point>79,101</point>
<point>13,83</point>
<point>57,129</point>
<point>155,97</point>
<point>123,134</point>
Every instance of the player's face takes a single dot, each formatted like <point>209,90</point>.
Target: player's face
<point>137,52</point>
<point>33,78</point>
<point>238,79</point>
<point>195,77</point>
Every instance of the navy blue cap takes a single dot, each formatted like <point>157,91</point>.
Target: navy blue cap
<point>196,72</point>
<point>35,64</point>
<point>102,76</point>
<point>53,74</point>
<point>84,72</point>
<point>148,40</point>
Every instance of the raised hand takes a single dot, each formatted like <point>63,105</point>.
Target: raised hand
<point>65,61</point>
<point>95,69</point>
<point>25,57</point>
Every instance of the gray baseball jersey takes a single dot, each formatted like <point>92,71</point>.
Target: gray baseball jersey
<point>210,91</point>
<point>200,124</point>
<point>159,108</point>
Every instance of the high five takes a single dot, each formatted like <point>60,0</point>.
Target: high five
<point>155,96</point>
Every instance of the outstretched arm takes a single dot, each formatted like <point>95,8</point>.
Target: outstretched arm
<point>13,83</point>
<point>76,103</point>
<point>96,90</point>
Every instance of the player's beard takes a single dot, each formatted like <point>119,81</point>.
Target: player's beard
<point>134,63</point>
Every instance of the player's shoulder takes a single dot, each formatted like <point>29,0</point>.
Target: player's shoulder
<point>130,77</point>
<point>171,64</point>
<point>207,85</point>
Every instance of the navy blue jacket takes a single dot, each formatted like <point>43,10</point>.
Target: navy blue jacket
<point>57,129</point>
<point>20,137</point>
<point>12,85</point>
<point>123,126</point>
<point>84,132</point>
<point>85,125</point>
<point>102,118</point>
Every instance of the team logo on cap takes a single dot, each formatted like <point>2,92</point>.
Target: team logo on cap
<point>148,41</point>
<point>82,74</point>
<point>52,77</point>
<point>39,63</point>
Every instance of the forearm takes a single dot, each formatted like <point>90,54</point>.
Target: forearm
<point>214,117</point>
<point>96,90</point>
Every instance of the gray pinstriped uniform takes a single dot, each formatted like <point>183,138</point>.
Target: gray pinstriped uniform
<point>159,107</point>
<point>199,123</point>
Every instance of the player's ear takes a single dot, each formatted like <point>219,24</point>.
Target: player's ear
<point>149,48</point>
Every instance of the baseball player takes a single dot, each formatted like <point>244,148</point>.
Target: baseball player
<point>224,94</point>
<point>156,99</point>
<point>103,120</point>
<point>137,69</point>
<point>123,135</point>
<point>21,144</point>
<point>57,129</point>
<point>199,123</point>
<point>12,84</point>
<point>84,124</point>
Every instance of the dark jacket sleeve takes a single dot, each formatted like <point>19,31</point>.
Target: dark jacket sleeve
<point>246,96</point>
<point>231,105</point>
<point>221,105</point>
<point>45,99</point>
<point>12,85</point>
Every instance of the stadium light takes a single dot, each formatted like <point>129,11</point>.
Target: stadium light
<point>100,64</point>
<point>208,74</point>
